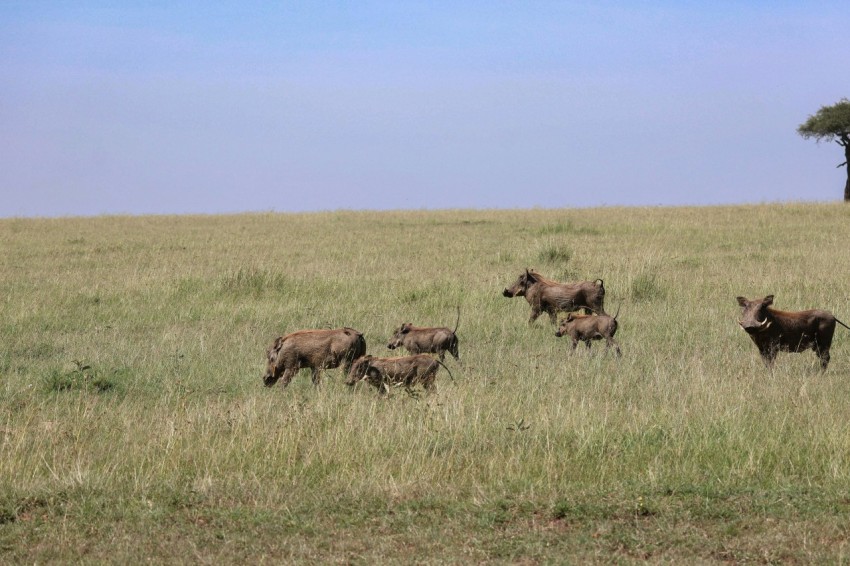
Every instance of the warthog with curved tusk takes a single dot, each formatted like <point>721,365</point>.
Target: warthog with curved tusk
<point>773,330</point>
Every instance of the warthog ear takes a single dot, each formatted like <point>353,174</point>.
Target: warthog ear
<point>768,300</point>
<point>742,301</point>
<point>405,328</point>
<point>274,350</point>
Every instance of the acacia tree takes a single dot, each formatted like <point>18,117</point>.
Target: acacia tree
<point>831,123</point>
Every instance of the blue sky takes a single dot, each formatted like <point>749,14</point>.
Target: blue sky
<point>114,107</point>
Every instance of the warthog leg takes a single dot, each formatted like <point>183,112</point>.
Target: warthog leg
<point>287,376</point>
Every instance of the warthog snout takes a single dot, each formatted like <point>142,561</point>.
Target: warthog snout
<point>358,371</point>
<point>755,327</point>
<point>754,317</point>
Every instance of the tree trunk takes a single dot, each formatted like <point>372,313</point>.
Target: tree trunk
<point>847,166</point>
<point>847,187</point>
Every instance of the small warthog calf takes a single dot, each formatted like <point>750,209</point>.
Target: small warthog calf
<point>314,349</point>
<point>551,297</point>
<point>406,370</point>
<point>426,340</point>
<point>773,330</point>
<point>587,327</point>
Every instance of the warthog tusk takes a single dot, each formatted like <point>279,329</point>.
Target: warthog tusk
<point>761,326</point>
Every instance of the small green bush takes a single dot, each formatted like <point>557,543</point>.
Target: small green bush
<point>555,254</point>
<point>254,282</point>
<point>645,287</point>
<point>83,377</point>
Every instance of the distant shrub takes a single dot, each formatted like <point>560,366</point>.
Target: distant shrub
<point>565,227</point>
<point>413,296</point>
<point>83,377</point>
<point>645,287</point>
<point>189,286</point>
<point>557,228</point>
<point>430,298</point>
<point>255,282</point>
<point>555,254</point>
<point>567,509</point>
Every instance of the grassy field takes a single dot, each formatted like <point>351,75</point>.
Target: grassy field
<point>135,426</point>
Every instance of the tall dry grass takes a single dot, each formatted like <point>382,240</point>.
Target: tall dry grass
<point>132,350</point>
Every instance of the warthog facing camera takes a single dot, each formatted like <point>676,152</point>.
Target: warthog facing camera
<point>425,340</point>
<point>551,297</point>
<point>408,371</point>
<point>314,349</point>
<point>773,330</point>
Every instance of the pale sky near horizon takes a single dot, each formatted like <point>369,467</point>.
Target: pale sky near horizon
<point>147,107</point>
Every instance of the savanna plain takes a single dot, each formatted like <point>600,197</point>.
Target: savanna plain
<point>135,425</point>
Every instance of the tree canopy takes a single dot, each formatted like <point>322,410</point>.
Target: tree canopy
<point>831,123</point>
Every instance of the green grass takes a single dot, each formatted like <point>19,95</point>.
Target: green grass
<point>135,426</point>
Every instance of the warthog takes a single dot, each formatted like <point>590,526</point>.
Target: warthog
<point>773,330</point>
<point>546,295</point>
<point>425,340</point>
<point>314,349</point>
<point>587,327</point>
<point>406,370</point>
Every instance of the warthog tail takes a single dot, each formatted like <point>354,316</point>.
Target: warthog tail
<point>594,311</point>
<point>842,324</point>
<point>457,322</point>
<point>446,367</point>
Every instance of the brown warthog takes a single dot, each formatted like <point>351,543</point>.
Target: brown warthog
<point>406,370</point>
<point>426,340</point>
<point>314,349</point>
<point>546,295</point>
<point>587,327</point>
<point>773,330</point>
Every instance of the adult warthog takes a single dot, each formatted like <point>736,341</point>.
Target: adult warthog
<point>314,349</point>
<point>551,297</point>
<point>382,373</point>
<point>426,340</point>
<point>773,330</point>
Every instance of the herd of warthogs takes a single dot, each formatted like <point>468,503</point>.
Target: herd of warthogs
<point>326,349</point>
<point>771,330</point>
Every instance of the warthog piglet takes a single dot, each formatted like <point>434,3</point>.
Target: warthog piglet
<point>587,327</point>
